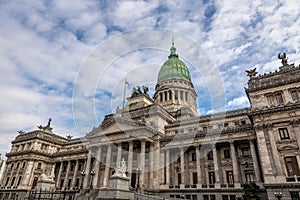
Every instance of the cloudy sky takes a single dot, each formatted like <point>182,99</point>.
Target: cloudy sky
<point>58,55</point>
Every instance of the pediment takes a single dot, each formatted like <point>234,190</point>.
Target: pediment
<point>287,147</point>
<point>114,125</point>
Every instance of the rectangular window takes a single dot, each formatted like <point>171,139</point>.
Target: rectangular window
<point>284,134</point>
<point>225,124</point>
<point>270,100</point>
<point>295,195</point>
<point>245,152</point>
<point>179,178</point>
<point>294,95</point>
<point>279,98</point>
<point>243,122</point>
<point>210,156</point>
<point>229,177</point>
<point>249,176</point>
<point>224,197</point>
<point>226,153</point>
<point>195,179</point>
<point>232,197</point>
<point>292,166</point>
<point>212,178</point>
<point>193,156</point>
<point>205,197</point>
<point>186,96</point>
<point>204,128</point>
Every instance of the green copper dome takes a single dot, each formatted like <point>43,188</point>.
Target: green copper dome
<point>173,68</point>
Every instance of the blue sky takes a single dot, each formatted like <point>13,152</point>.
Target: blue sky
<point>45,44</point>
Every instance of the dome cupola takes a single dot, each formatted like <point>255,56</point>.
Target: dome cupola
<point>174,90</point>
<point>173,68</point>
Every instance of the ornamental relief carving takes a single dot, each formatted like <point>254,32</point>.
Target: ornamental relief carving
<point>287,147</point>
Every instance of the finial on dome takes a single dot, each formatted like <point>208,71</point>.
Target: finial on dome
<point>173,49</point>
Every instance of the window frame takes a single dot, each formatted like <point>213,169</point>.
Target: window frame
<point>283,133</point>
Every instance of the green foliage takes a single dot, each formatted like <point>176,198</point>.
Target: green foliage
<point>251,191</point>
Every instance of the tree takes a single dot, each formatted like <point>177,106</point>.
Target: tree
<point>251,191</point>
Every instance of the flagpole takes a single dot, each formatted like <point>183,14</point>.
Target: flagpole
<point>124,93</point>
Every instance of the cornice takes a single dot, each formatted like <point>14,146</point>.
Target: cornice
<point>202,134</point>
<point>255,83</point>
<point>274,109</point>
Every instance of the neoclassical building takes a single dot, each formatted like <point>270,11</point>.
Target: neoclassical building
<point>170,150</point>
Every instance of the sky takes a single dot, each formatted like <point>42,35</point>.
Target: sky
<point>68,60</point>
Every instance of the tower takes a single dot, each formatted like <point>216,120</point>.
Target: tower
<point>174,90</point>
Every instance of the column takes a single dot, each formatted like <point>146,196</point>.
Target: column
<point>182,165</point>
<point>202,168</point>
<point>173,96</point>
<point>198,167</point>
<point>142,159</point>
<point>87,171</point>
<point>107,166</point>
<point>216,164</point>
<point>119,155</point>
<point>75,174</point>
<point>255,161</point>
<point>151,165</point>
<point>167,167</point>
<point>65,185</point>
<point>162,167</point>
<point>157,159</point>
<point>97,168</point>
<point>236,175</point>
<point>130,156</point>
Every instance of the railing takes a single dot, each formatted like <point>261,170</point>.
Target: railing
<point>293,179</point>
<point>222,185</point>
<point>57,195</point>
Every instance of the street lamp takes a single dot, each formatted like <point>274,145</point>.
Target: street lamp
<point>82,174</point>
<point>92,177</point>
<point>278,195</point>
<point>138,171</point>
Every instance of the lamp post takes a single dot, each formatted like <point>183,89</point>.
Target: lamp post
<point>82,174</point>
<point>278,195</point>
<point>138,171</point>
<point>92,173</point>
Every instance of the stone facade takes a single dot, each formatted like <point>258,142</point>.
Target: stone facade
<point>181,155</point>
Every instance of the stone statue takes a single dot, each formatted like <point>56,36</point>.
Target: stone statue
<point>137,91</point>
<point>145,89</point>
<point>251,73</point>
<point>46,128</point>
<point>283,58</point>
<point>121,169</point>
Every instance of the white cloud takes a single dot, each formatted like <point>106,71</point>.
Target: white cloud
<point>238,102</point>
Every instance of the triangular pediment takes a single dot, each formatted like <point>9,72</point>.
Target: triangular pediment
<point>114,126</point>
